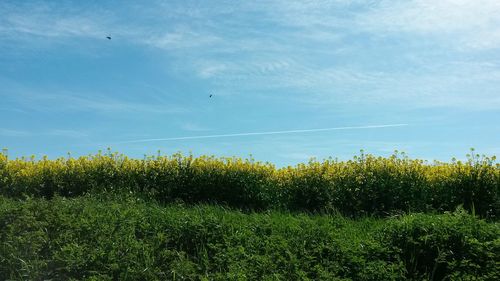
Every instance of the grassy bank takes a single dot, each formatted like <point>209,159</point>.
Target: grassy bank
<point>90,238</point>
<point>366,185</point>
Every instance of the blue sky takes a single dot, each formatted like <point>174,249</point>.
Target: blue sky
<point>271,66</point>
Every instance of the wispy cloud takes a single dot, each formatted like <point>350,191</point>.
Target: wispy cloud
<point>67,133</point>
<point>103,104</point>
<point>474,22</point>
<point>14,133</point>
<point>50,20</point>
<point>465,23</point>
<point>181,38</point>
<point>193,127</point>
<point>309,49</point>
<point>266,133</point>
<point>288,60</point>
<point>38,100</point>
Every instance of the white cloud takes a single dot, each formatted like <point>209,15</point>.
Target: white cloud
<point>193,127</point>
<point>53,27</point>
<point>244,68</point>
<point>181,38</point>
<point>51,132</point>
<point>209,69</point>
<point>40,101</point>
<point>428,16</point>
<point>46,20</point>
<point>14,133</point>
<point>472,23</point>
<point>102,104</point>
<point>67,133</point>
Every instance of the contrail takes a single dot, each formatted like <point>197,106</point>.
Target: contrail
<point>265,133</point>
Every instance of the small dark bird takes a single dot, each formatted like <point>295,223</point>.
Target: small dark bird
<point>109,37</point>
<point>210,96</point>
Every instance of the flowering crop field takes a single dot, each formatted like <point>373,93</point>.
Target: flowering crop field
<point>366,185</point>
<point>110,217</point>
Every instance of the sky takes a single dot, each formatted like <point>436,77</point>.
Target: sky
<point>290,80</point>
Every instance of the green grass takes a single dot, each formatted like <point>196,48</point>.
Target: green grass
<point>125,238</point>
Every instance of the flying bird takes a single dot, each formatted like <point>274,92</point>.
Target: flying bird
<point>109,37</point>
<point>210,96</point>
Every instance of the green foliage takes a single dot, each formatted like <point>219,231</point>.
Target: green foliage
<point>453,246</point>
<point>123,238</point>
<point>365,185</point>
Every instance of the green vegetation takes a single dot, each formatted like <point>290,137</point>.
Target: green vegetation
<point>89,238</point>
<point>366,185</point>
<point>109,217</point>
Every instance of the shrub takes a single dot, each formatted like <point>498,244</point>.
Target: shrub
<point>449,246</point>
<point>122,238</point>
